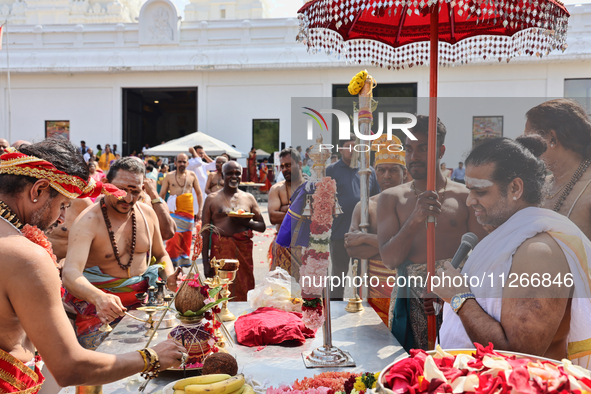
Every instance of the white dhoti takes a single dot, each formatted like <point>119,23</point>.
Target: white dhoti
<point>171,202</point>
<point>494,255</point>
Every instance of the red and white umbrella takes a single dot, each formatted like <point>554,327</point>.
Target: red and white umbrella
<point>396,34</point>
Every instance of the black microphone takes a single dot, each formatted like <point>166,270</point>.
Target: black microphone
<point>469,241</point>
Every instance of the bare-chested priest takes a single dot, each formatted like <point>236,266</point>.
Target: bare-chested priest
<point>279,200</point>
<point>232,238</point>
<point>109,249</point>
<point>390,167</point>
<point>180,184</point>
<point>31,313</point>
<point>402,234</point>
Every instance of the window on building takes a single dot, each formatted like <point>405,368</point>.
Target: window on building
<point>406,101</point>
<point>580,90</point>
<point>265,135</point>
<point>222,13</point>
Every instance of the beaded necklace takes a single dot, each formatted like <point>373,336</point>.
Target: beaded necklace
<point>125,267</point>
<point>10,217</point>
<point>569,186</point>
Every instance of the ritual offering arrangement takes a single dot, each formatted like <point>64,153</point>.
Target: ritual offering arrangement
<point>483,370</point>
<point>196,305</point>
<point>240,213</point>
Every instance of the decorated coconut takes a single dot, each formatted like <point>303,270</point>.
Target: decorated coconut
<point>196,305</point>
<point>189,298</point>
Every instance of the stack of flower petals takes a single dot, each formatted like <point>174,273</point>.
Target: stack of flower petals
<point>484,371</point>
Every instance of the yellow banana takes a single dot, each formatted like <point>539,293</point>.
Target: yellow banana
<point>227,386</point>
<point>205,379</point>
<point>248,389</point>
<point>179,391</point>
<point>240,390</point>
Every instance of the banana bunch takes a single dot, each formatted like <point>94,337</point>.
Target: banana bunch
<point>213,384</point>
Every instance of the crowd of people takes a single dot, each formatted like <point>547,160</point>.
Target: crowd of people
<point>112,227</point>
<point>116,226</point>
<point>528,200</point>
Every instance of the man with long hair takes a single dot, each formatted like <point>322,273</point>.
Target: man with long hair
<point>540,299</point>
<point>565,126</point>
<point>37,185</point>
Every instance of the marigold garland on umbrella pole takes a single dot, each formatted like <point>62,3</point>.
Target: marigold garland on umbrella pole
<point>316,256</point>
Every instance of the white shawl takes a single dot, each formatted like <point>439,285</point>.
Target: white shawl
<point>494,254</point>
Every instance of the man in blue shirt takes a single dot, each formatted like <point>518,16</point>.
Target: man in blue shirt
<point>348,194</point>
<point>458,174</point>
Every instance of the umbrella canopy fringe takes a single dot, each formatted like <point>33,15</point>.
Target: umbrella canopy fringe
<point>533,41</point>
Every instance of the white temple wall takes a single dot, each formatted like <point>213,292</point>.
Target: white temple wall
<point>228,101</point>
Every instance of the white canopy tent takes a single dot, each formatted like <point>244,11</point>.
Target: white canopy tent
<point>261,154</point>
<point>212,146</point>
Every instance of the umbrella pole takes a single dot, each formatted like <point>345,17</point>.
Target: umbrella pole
<point>432,158</point>
<point>365,100</point>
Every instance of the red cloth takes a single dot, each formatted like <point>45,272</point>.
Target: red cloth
<point>16,377</point>
<point>270,326</point>
<point>238,247</point>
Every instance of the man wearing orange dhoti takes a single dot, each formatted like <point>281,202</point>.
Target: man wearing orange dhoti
<point>180,203</point>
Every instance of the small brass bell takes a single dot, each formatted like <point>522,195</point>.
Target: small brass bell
<point>308,208</point>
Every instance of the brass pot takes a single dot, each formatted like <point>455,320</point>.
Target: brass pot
<point>189,320</point>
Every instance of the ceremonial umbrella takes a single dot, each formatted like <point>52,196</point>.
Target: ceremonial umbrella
<point>403,33</point>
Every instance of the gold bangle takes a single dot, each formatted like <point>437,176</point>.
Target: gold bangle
<point>153,355</point>
<point>154,367</point>
<point>146,364</point>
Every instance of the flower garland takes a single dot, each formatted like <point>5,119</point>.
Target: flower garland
<point>315,257</point>
<point>35,235</point>
<point>210,324</point>
<point>197,241</point>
